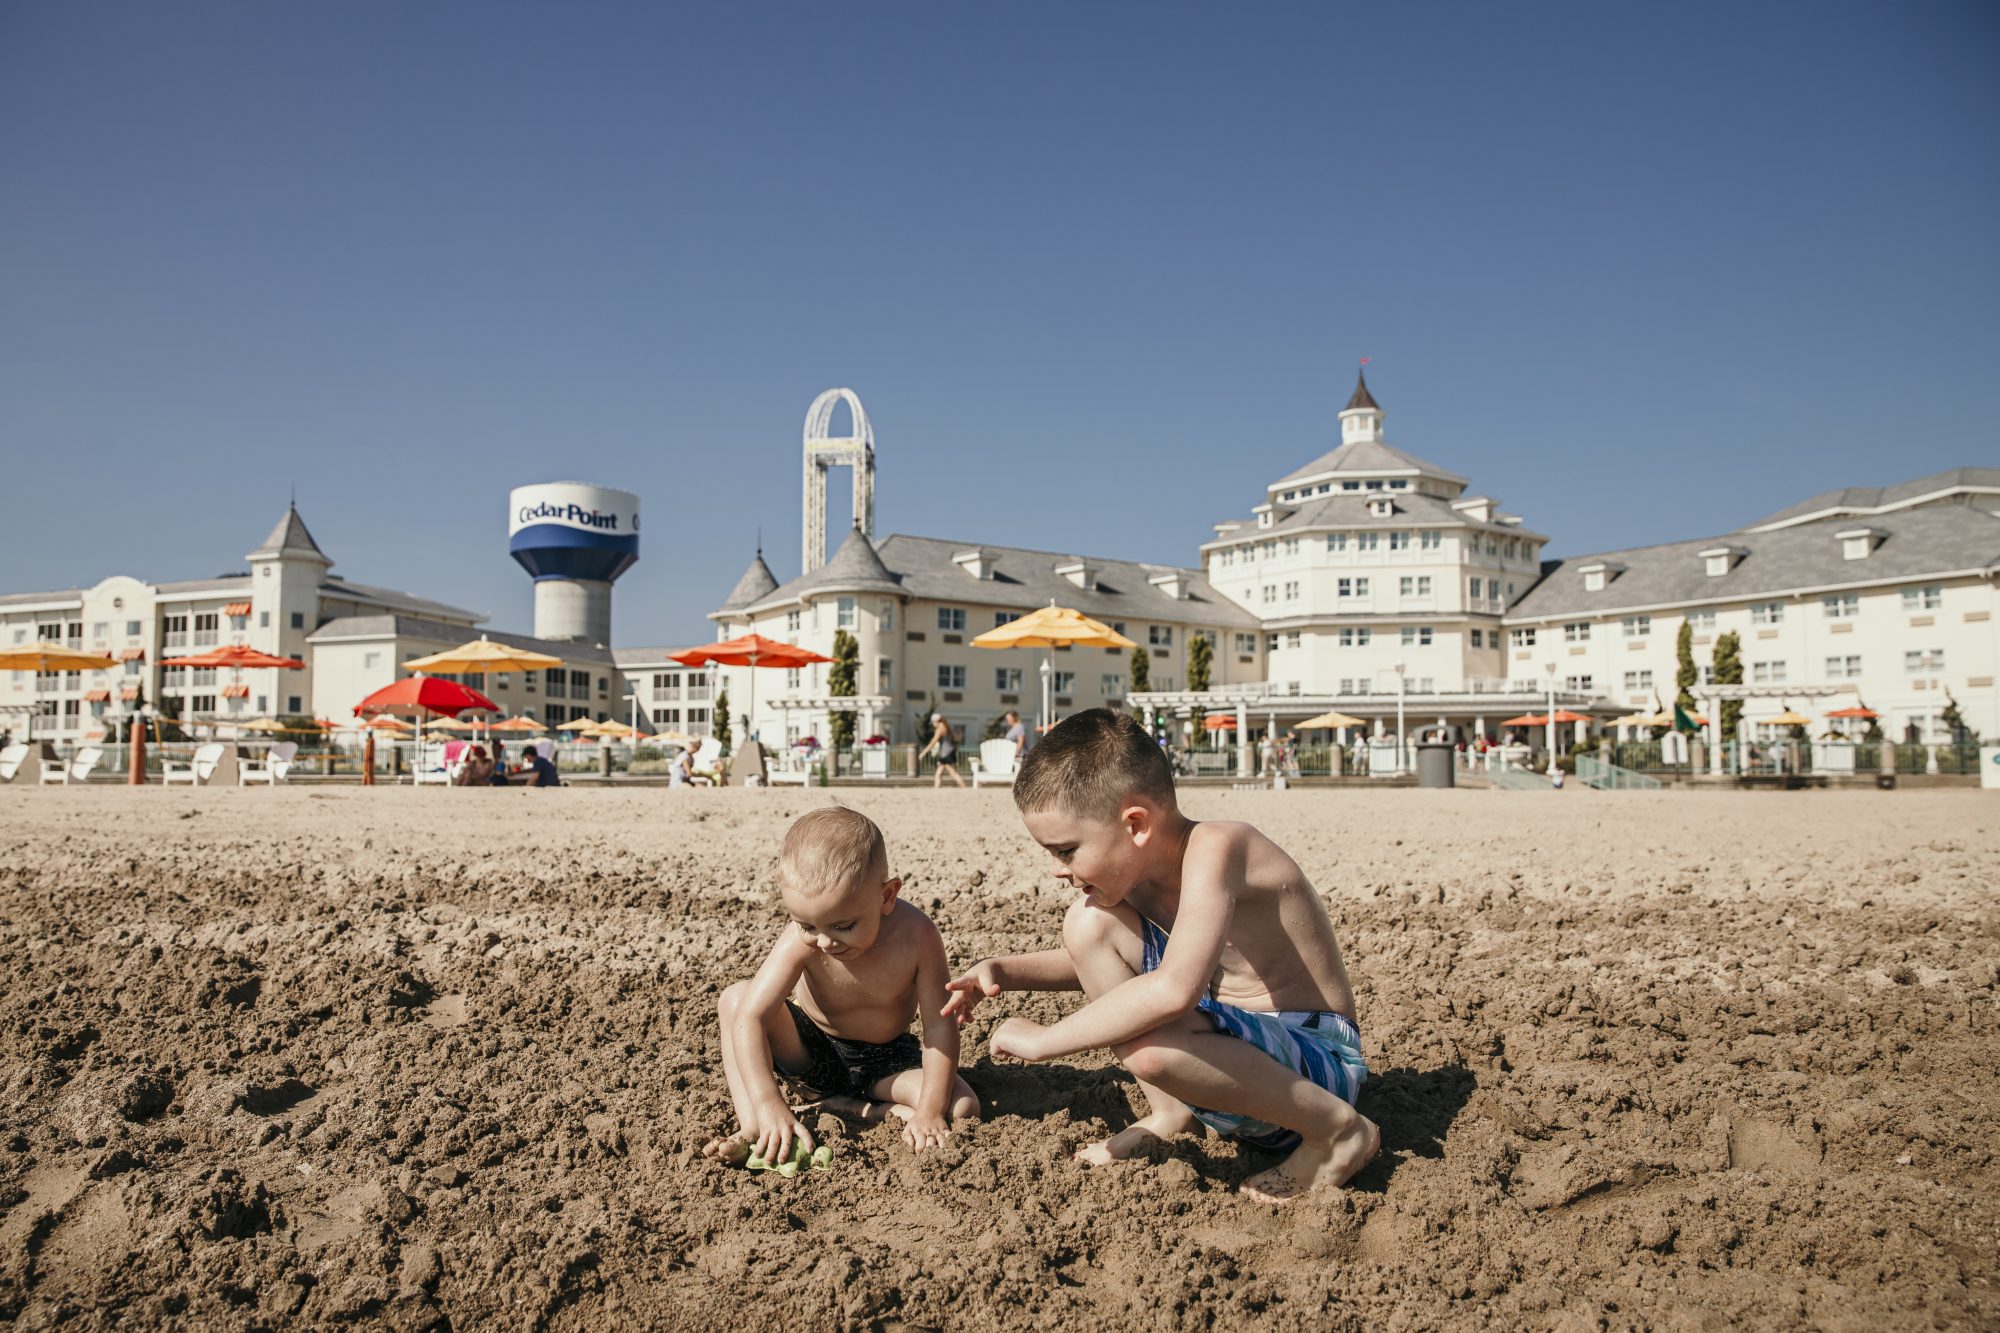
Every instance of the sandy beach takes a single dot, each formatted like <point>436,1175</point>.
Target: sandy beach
<point>443,1059</point>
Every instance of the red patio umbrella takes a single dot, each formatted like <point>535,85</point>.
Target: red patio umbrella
<point>1219,721</point>
<point>1542,719</point>
<point>419,695</point>
<point>237,655</point>
<point>1856,711</point>
<point>752,650</point>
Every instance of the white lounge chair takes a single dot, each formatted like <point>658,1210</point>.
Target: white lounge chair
<point>76,770</point>
<point>271,769</point>
<point>995,763</point>
<point>20,762</point>
<point>197,771</point>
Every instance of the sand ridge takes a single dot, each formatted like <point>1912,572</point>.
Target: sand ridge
<point>442,1059</point>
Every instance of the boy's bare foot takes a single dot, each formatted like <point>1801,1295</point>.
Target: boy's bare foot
<point>870,1111</point>
<point>733,1151</point>
<point>1158,1127</point>
<point>1312,1165</point>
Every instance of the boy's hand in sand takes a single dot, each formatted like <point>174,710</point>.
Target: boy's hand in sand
<point>923,1131</point>
<point>778,1125</point>
<point>966,992</point>
<point>1018,1039</point>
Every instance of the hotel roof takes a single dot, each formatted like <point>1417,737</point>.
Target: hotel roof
<point>928,568</point>
<point>1350,509</point>
<point>290,537</point>
<point>1368,456</point>
<point>1933,541</point>
<point>420,627</point>
<point>1860,501</point>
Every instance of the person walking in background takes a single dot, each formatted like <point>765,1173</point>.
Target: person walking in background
<point>1017,733</point>
<point>945,745</point>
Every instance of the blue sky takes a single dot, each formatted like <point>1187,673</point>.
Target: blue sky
<point>1098,272</point>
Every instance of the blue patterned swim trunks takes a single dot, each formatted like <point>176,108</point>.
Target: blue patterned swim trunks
<point>1319,1045</point>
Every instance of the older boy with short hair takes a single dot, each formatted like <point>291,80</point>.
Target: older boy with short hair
<point>1210,963</point>
<point>832,1004</point>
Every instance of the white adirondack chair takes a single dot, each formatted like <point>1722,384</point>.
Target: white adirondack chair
<point>13,759</point>
<point>197,771</point>
<point>76,770</point>
<point>995,764</point>
<point>708,763</point>
<point>270,769</point>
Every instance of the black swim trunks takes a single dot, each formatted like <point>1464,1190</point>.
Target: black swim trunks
<point>837,1067</point>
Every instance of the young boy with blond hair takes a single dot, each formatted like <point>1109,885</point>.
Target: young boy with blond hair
<point>832,1004</point>
<point>1210,963</point>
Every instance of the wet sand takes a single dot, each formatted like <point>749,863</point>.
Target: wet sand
<point>444,1058</point>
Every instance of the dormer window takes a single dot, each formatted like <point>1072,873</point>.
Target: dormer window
<point>1858,543</point>
<point>1265,519</point>
<point>1173,583</point>
<point>1718,560</point>
<point>1382,508</point>
<point>1080,573</point>
<point>976,562</point>
<point>1597,576</point>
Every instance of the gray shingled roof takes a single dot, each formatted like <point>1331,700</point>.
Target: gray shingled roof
<point>1863,500</point>
<point>1349,509</point>
<point>335,586</point>
<point>53,595</point>
<point>1369,456</point>
<point>289,537</point>
<point>419,627</point>
<point>1923,542</point>
<point>227,583</point>
<point>922,567</point>
<point>855,567</point>
<point>756,584</point>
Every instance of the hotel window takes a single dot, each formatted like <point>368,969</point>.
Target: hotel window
<point>1292,592</point>
<point>1430,540</point>
<point>1291,546</point>
<point>1702,622</point>
<point>1638,680</point>
<point>665,682</point>
<point>792,622</point>
<point>951,619</point>
<point>579,685</point>
<point>1478,638</point>
<point>1271,643</point>
<point>1579,684</point>
<point>1270,593</point>
<point>1354,636</point>
<point>131,629</point>
<point>1414,585</point>
<point>1513,547</point>
<point>1636,627</point>
<point>1847,667</point>
<point>1063,682</point>
<point>1399,541</point>
<point>1478,591</point>
<point>298,620</point>
<point>556,681</point>
<point>1524,638</point>
<point>1246,643</point>
<point>263,621</point>
<point>885,672</point>
<point>202,677</point>
<point>1841,606</point>
<point>950,677</point>
<point>1336,543</point>
<point>885,617</point>
<point>100,629</point>
<point>370,661</point>
<point>1576,631</point>
<point>1160,636</point>
<point>1004,617</point>
<point>667,716</point>
<point>1923,599</point>
<point>1417,636</point>
<point>201,703</point>
<point>1007,680</point>
<point>1767,613</point>
<point>1927,659</point>
<point>1114,686</point>
<point>133,668</point>
<point>1767,673</point>
<point>173,631</point>
<point>843,613</point>
<point>1367,541</point>
<point>1374,485</point>
<point>1352,587</point>
<point>1350,485</point>
<point>793,675</point>
<point>1293,639</point>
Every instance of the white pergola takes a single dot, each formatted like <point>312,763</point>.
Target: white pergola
<point>866,705</point>
<point>1708,696</point>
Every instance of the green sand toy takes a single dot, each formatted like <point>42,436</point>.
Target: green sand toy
<point>820,1159</point>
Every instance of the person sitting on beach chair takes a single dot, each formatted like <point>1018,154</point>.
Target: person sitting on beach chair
<point>1210,963</point>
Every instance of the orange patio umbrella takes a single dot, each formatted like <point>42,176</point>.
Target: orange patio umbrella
<point>1542,719</point>
<point>752,650</point>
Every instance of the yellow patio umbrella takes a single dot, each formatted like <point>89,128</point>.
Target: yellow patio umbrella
<point>265,724</point>
<point>578,724</point>
<point>1330,720</point>
<point>482,654</point>
<point>450,724</point>
<point>675,738</point>
<point>44,656</point>
<point>386,723</point>
<point>1790,718</point>
<point>1633,720</point>
<point>517,724</point>
<point>615,729</point>
<point>1052,627</point>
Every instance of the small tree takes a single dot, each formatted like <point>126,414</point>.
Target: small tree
<point>840,684</point>
<point>1954,723</point>
<point>996,727</point>
<point>1685,675</point>
<point>1729,671</point>
<point>1142,673</point>
<point>1201,665</point>
<point>311,738</point>
<point>169,723</point>
<point>720,728</point>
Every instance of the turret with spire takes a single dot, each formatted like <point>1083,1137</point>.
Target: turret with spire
<point>1361,419</point>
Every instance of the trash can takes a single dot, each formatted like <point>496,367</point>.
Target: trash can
<point>1436,761</point>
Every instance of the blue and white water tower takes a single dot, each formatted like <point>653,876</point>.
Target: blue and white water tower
<point>576,539</point>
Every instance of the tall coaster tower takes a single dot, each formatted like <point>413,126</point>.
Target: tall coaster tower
<point>823,453</point>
